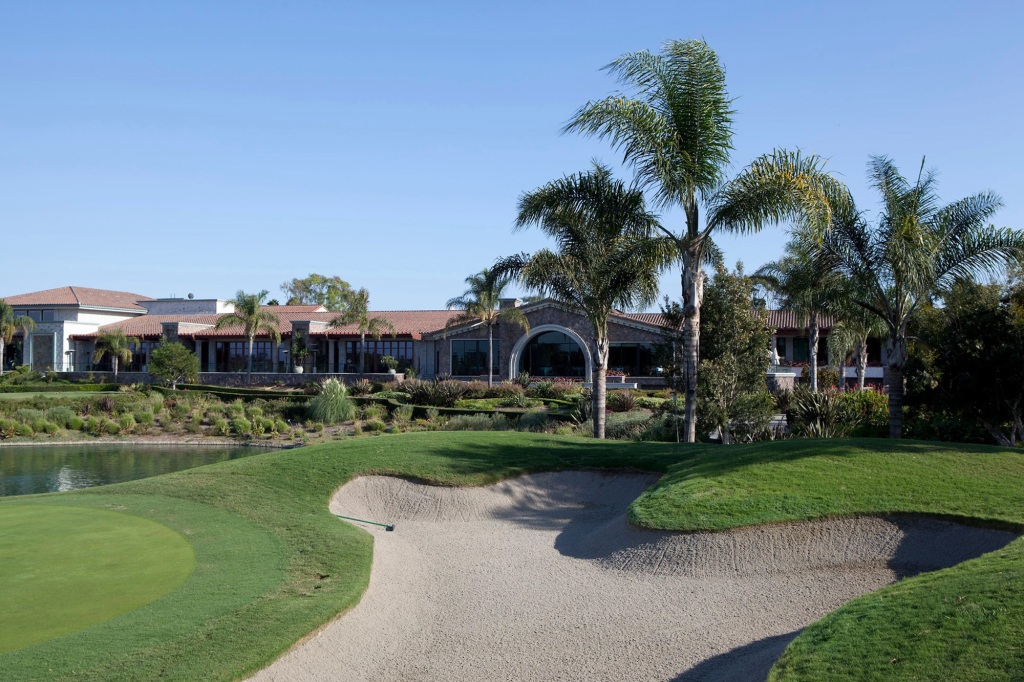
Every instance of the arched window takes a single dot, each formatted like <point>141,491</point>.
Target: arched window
<point>552,354</point>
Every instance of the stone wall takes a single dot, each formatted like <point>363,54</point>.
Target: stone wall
<point>236,378</point>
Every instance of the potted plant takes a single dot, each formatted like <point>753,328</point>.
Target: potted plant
<point>299,352</point>
<point>390,362</point>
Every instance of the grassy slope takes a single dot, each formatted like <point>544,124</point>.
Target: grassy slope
<point>298,566</point>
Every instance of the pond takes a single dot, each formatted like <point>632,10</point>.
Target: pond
<point>25,470</point>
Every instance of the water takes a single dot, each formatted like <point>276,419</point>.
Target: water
<point>25,470</point>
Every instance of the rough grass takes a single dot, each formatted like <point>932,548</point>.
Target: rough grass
<point>273,564</point>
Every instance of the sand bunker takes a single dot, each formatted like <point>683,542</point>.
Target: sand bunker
<point>541,578</point>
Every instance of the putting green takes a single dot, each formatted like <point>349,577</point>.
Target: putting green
<point>64,569</point>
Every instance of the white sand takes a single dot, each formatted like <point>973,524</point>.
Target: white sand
<point>541,578</point>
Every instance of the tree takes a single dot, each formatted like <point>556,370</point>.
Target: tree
<point>115,344</point>
<point>333,293</point>
<point>605,258</point>
<point>849,335</point>
<point>805,283</point>
<point>732,391</point>
<point>479,303</point>
<point>250,316</point>
<point>173,363</point>
<point>677,135</point>
<point>357,312</point>
<point>9,324</point>
<point>917,248</point>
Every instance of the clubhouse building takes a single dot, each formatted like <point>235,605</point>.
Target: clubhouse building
<point>557,344</point>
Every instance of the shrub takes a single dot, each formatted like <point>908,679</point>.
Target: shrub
<point>625,425</point>
<point>126,423</point>
<point>258,427</point>
<point>61,416</point>
<point>419,391</point>
<point>507,389</point>
<point>331,405</point>
<point>647,403</point>
<point>146,419</point>
<point>433,414</point>
<point>24,429</point>
<point>402,415</point>
<point>375,425</point>
<point>523,380</point>
<point>281,427</point>
<point>820,415</point>
<point>373,411</point>
<point>76,423</point>
<point>236,408</point>
<point>478,422</point>
<point>360,388</point>
<point>621,401</point>
<point>446,393</point>
<point>26,415</point>
<point>93,425</point>
<point>397,396</point>
<point>8,428</point>
<point>111,427</point>
<point>241,426</point>
<point>254,411</point>
<point>533,421</point>
<point>515,400</point>
<point>475,389</point>
<point>221,427</point>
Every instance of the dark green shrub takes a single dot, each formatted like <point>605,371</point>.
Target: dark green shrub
<point>373,411</point>
<point>76,423</point>
<point>146,419</point>
<point>27,415</point>
<point>39,424</point>
<point>533,421</point>
<point>24,429</point>
<point>819,415</point>
<point>8,428</point>
<point>281,427</point>
<point>515,400</point>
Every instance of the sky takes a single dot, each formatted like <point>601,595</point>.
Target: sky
<point>168,148</point>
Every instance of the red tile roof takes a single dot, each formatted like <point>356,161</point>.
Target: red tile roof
<point>789,320</point>
<point>80,296</point>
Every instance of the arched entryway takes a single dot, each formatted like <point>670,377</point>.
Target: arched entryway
<point>551,351</point>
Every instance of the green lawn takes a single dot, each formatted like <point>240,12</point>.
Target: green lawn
<point>272,564</point>
<point>64,569</point>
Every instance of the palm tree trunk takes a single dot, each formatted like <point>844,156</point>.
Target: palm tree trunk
<point>600,358</point>
<point>113,357</point>
<point>248,372</point>
<point>812,342</point>
<point>862,364</point>
<point>3,347</point>
<point>362,354</point>
<point>896,351</point>
<point>490,355</point>
<point>693,294</point>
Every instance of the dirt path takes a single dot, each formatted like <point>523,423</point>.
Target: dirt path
<point>541,578</point>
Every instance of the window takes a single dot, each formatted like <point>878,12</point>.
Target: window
<point>780,347</point>
<point>801,349</point>
<point>47,315</point>
<point>469,358</point>
<point>634,359</point>
<point>375,350</point>
<point>553,354</point>
<point>231,356</point>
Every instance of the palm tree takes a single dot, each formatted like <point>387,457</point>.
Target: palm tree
<point>479,304</point>
<point>605,258</point>
<point>9,324</point>
<point>250,316</point>
<point>917,248</point>
<point>358,313</point>
<point>115,344</point>
<point>677,135</point>
<point>849,335</point>
<point>804,283</point>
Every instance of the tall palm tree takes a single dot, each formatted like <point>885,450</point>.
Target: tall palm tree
<point>479,303</point>
<point>676,132</point>
<point>917,248</point>
<point>358,313</point>
<point>605,258</point>
<point>804,283</point>
<point>9,324</point>
<point>115,344</point>
<point>250,316</point>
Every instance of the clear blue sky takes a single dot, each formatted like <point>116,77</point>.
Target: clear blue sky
<point>176,147</point>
